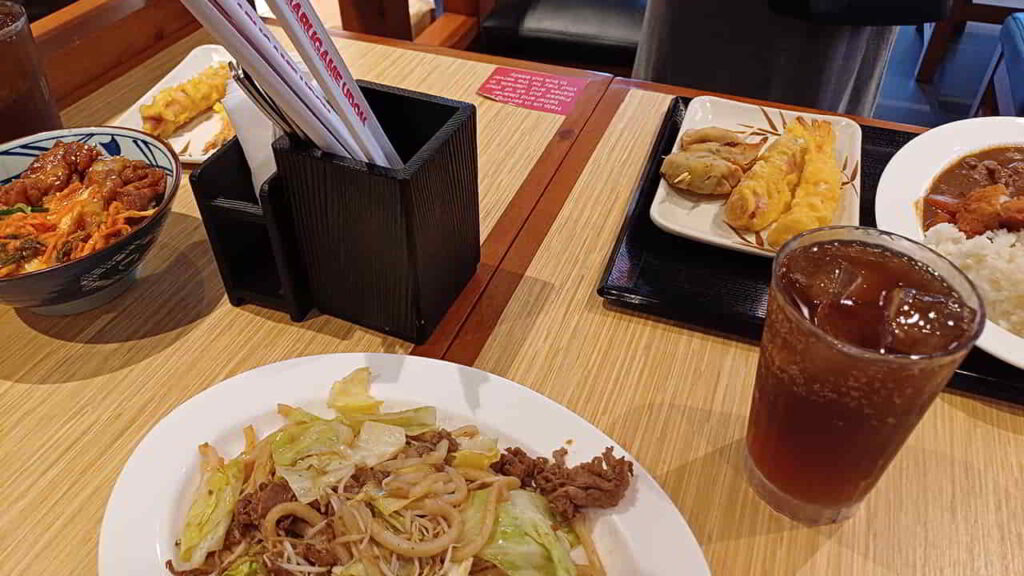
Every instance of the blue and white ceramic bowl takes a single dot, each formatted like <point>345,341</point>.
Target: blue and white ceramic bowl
<point>93,280</point>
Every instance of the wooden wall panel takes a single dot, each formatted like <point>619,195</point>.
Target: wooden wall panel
<point>91,42</point>
<point>388,18</point>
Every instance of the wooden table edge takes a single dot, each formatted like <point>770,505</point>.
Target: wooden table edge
<point>514,217</point>
<point>490,305</point>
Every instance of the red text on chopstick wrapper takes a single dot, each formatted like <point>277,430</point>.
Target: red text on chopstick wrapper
<point>332,68</point>
<point>533,90</point>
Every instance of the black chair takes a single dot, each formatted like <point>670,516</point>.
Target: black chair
<point>595,34</point>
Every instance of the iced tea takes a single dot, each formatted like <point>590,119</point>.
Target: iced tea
<point>26,105</point>
<point>863,330</point>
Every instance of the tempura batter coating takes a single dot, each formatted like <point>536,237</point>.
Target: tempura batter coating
<point>174,107</point>
<point>766,190</point>
<point>817,197</point>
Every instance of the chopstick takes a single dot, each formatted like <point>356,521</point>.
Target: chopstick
<point>264,103</point>
<point>314,45</point>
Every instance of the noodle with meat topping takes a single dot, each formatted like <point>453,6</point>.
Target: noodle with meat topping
<point>372,493</point>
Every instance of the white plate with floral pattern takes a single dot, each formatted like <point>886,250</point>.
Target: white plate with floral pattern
<point>701,218</point>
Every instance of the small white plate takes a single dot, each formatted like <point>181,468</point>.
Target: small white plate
<point>701,218</point>
<point>198,132</point>
<point>644,536</point>
<point>909,175</point>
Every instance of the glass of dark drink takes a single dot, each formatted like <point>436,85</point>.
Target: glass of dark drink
<point>864,328</point>
<point>26,105</point>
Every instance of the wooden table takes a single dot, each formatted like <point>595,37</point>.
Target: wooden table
<point>78,393</point>
<point>677,399</point>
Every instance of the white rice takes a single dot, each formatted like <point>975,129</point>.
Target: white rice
<point>995,262</point>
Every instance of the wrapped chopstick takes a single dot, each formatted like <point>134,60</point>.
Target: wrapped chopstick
<point>237,26</point>
<point>314,45</point>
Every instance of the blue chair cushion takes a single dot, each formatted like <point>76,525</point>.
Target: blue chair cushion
<point>1012,37</point>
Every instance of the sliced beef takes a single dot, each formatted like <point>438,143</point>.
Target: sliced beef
<point>516,462</point>
<point>433,438</point>
<point>425,443</point>
<point>196,572</point>
<point>600,483</point>
<point>253,507</point>
<point>362,477</point>
<point>317,548</point>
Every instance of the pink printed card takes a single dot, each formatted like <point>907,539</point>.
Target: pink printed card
<point>533,90</point>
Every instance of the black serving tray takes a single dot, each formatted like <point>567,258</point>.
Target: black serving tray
<point>725,292</point>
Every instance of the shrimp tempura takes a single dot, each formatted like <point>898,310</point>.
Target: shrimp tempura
<point>766,190</point>
<point>175,106</point>
<point>817,197</point>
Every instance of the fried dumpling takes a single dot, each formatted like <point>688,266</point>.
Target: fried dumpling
<point>742,154</point>
<point>710,134</point>
<point>701,172</point>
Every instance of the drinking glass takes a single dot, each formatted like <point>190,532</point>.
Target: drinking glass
<point>827,417</point>
<point>26,105</point>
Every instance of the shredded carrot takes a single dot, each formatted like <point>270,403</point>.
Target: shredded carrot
<point>77,224</point>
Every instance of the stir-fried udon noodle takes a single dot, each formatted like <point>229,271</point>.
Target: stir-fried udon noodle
<point>372,493</point>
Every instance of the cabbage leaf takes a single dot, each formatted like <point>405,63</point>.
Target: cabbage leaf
<point>312,455</point>
<point>414,421</point>
<point>212,507</point>
<point>376,443</point>
<point>247,567</point>
<point>296,441</point>
<point>479,453</point>
<point>296,415</point>
<point>311,475</point>
<point>351,394</point>
<point>524,542</point>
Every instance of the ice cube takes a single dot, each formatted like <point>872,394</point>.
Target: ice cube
<point>854,322</point>
<point>816,280</point>
<point>921,323</point>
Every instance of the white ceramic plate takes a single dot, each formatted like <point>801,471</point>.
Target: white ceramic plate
<point>909,175</point>
<point>701,218</point>
<point>198,132</point>
<point>644,536</point>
